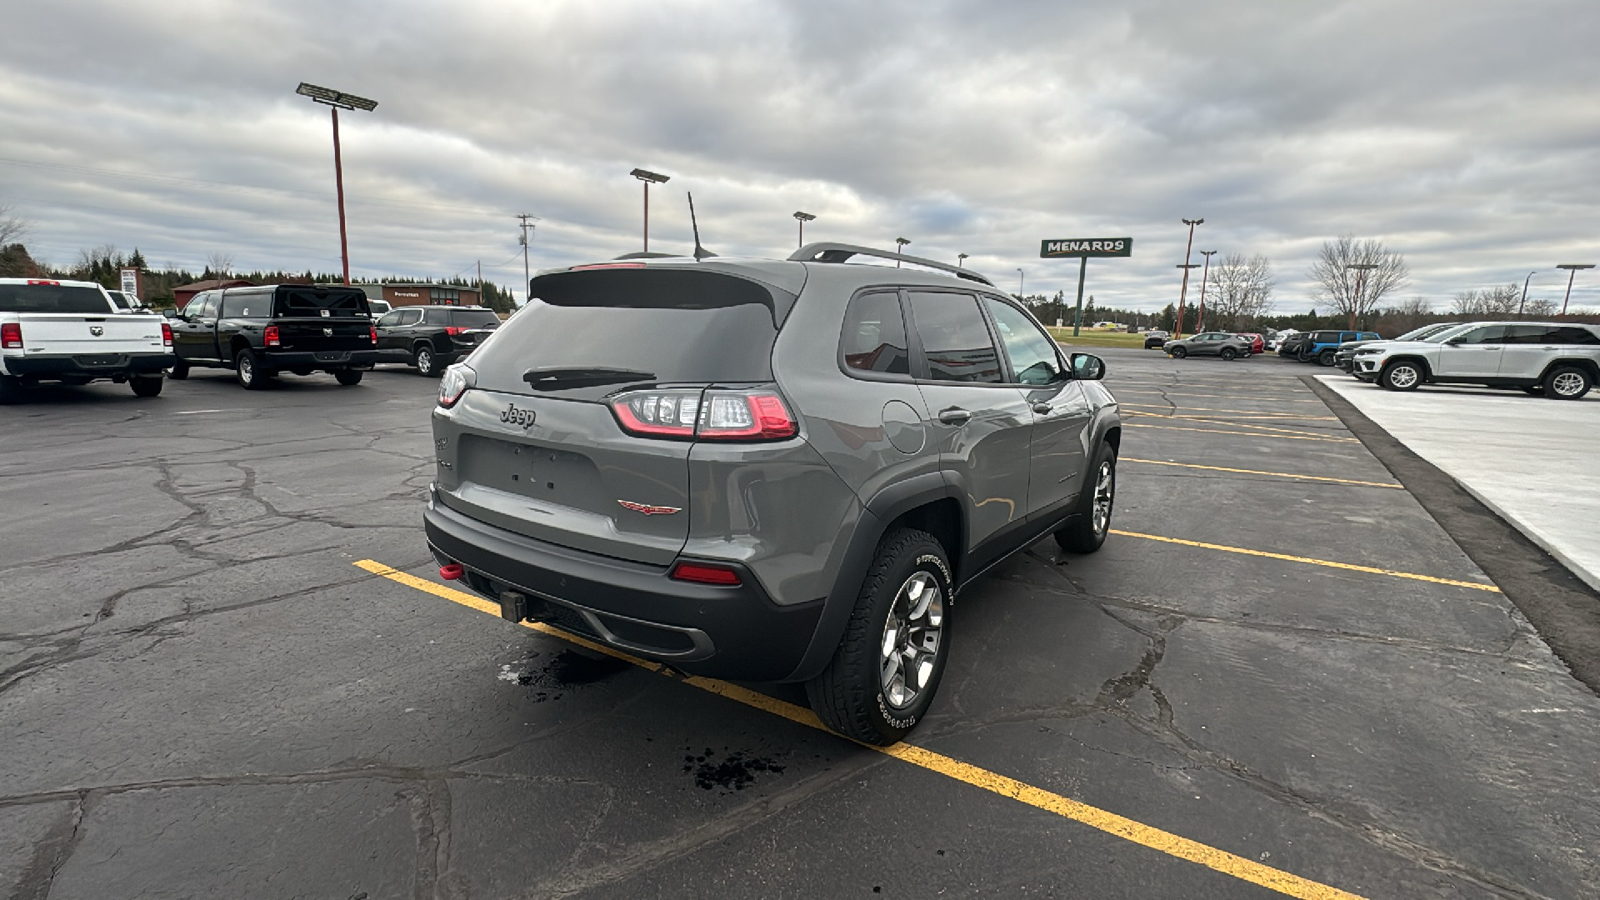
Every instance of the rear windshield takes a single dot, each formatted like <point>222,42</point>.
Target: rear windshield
<point>474,318</point>
<point>680,326</point>
<point>52,298</point>
<point>338,302</point>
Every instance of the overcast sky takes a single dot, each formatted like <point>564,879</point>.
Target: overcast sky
<point>1466,135</point>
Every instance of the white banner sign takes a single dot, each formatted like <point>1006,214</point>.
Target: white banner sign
<point>130,282</point>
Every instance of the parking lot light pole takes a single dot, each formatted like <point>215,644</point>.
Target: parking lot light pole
<point>803,218</point>
<point>1205,274</point>
<point>1021,280</point>
<point>960,258</point>
<point>900,247</point>
<point>338,100</point>
<point>1361,280</point>
<point>648,178</point>
<point>1572,271</point>
<point>1524,301</point>
<point>1177,331</point>
<point>1183,292</point>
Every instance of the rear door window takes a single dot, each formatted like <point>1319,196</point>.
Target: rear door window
<point>874,336</point>
<point>955,339</point>
<point>52,298</point>
<point>410,316</point>
<point>1525,334</point>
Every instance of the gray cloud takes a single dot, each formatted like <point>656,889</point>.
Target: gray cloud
<point>1463,134</point>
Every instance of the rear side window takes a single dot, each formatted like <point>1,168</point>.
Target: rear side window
<point>681,326</point>
<point>52,298</point>
<point>1571,334</point>
<point>474,318</point>
<point>955,339</point>
<point>874,337</point>
<point>338,302</point>
<point>246,306</point>
<point>1526,334</point>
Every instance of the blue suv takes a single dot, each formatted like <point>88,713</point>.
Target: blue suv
<point>1323,345</point>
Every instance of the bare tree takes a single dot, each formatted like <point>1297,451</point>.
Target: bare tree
<point>12,226</point>
<point>1356,292</point>
<point>1240,289</point>
<point>219,264</point>
<point>1542,308</point>
<point>1491,302</point>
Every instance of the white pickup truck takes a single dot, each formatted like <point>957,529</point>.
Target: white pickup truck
<point>70,332</point>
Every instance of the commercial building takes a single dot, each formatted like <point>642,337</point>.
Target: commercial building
<point>423,294</point>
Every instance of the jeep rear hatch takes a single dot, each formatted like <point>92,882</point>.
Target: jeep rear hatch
<point>540,451</point>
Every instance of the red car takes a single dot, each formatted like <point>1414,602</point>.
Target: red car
<point>1258,344</point>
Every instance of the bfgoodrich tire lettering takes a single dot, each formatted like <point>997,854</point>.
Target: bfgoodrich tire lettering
<point>887,667</point>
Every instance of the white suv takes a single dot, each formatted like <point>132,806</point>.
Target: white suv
<point>1558,360</point>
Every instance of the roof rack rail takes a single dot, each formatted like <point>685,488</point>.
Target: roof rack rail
<point>828,252</point>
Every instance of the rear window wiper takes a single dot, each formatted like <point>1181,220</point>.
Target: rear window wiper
<point>554,378</point>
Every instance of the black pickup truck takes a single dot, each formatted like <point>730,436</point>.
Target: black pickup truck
<point>259,332</point>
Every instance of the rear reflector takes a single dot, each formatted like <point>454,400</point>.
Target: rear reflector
<point>11,336</point>
<point>705,573</point>
<point>452,572</point>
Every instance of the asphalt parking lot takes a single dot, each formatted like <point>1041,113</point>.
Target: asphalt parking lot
<point>228,668</point>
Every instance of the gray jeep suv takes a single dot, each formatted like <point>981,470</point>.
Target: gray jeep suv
<point>767,470</point>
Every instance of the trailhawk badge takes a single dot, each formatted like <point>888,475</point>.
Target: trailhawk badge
<point>649,510</point>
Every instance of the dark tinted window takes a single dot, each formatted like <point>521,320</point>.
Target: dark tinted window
<point>954,338</point>
<point>410,316</point>
<point>680,325</point>
<point>474,318</point>
<point>311,301</point>
<point>1571,334</point>
<point>256,305</point>
<point>392,318</point>
<point>1526,334</point>
<point>52,298</point>
<point>1032,353</point>
<point>1488,334</point>
<point>874,338</point>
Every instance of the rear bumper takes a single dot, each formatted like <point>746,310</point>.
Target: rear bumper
<point>328,359</point>
<point>723,632</point>
<point>96,366</point>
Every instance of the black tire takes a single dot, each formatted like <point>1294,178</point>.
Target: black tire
<point>1567,383</point>
<point>348,377</point>
<point>10,390</point>
<point>850,695</point>
<point>427,364</point>
<point>247,369</point>
<point>1177,352</point>
<point>1404,375</point>
<point>1228,353</point>
<point>1327,358</point>
<point>179,370</point>
<point>146,386</point>
<point>1085,532</point>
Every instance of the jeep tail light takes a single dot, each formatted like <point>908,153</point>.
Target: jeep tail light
<point>166,335</point>
<point>706,573</point>
<point>270,336</point>
<point>712,415</point>
<point>11,336</point>
<point>457,380</point>
<point>372,332</point>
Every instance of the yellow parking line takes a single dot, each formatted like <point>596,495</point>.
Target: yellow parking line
<point>1254,434</point>
<point>1158,462</point>
<point>1309,561</point>
<point>1177,390</point>
<point>1216,420</point>
<point>1119,826</point>
<point>1241,413</point>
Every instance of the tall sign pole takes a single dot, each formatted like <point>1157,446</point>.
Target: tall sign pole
<point>1082,249</point>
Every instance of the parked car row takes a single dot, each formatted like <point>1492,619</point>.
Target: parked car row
<point>76,332</point>
<point>1322,347</point>
<point>1207,343</point>
<point>1559,360</point>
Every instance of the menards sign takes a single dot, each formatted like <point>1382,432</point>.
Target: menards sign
<point>1086,247</point>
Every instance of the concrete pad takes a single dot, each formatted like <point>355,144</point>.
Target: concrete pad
<point>1529,459</point>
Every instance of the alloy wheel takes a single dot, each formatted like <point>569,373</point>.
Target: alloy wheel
<point>1104,488</point>
<point>1567,384</point>
<point>911,637</point>
<point>1403,377</point>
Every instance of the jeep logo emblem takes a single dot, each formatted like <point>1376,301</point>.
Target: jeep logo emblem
<point>96,330</point>
<point>513,416</point>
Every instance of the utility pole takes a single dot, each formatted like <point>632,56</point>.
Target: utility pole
<point>1572,271</point>
<point>526,276</point>
<point>1205,275</point>
<point>1361,281</point>
<point>1021,279</point>
<point>1183,292</point>
<point>1524,301</point>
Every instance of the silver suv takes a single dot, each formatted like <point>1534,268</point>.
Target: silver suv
<point>1560,360</point>
<point>768,470</point>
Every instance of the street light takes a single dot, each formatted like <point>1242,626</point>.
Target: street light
<point>1572,271</point>
<point>803,218</point>
<point>1205,275</point>
<point>1361,281</point>
<point>1183,292</point>
<point>338,100</point>
<point>1020,279</point>
<point>1524,301</point>
<point>648,178</point>
<point>902,242</point>
<point>960,258</point>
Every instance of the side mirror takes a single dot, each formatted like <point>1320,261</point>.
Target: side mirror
<point>1088,367</point>
<point>169,313</point>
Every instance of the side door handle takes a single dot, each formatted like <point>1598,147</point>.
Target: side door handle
<point>1042,409</point>
<point>955,415</point>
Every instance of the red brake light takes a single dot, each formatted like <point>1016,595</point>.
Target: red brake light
<point>705,573</point>
<point>372,331</point>
<point>270,336</point>
<point>714,415</point>
<point>11,335</point>
<point>42,281</point>
<point>452,330</point>
<point>166,335</point>
<point>662,414</point>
